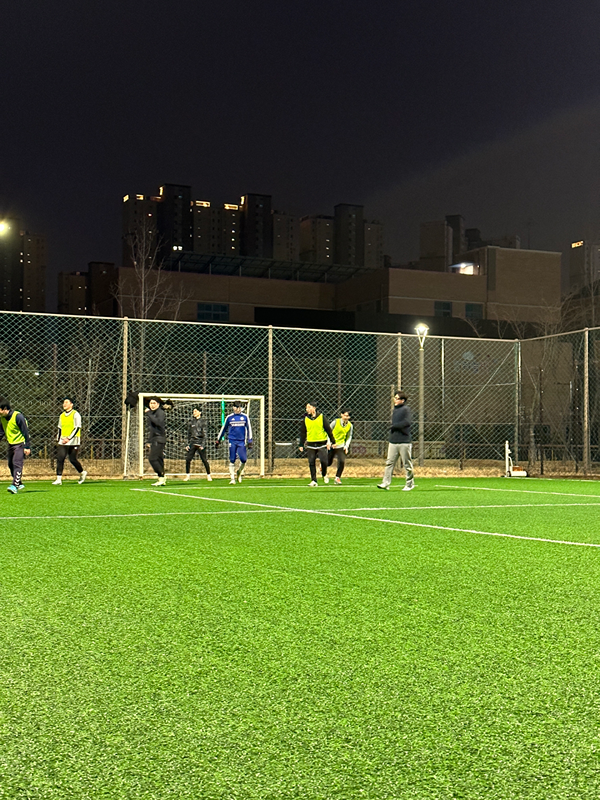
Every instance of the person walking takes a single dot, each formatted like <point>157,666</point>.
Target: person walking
<point>316,438</point>
<point>400,444</point>
<point>14,428</point>
<point>342,433</point>
<point>69,440</point>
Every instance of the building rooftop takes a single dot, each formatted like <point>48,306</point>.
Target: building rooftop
<point>248,267</point>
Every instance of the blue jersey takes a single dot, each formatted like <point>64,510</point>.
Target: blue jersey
<point>237,429</point>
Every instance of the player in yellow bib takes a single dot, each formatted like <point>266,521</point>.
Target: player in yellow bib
<point>316,437</point>
<point>342,436</point>
<point>14,428</point>
<point>69,440</point>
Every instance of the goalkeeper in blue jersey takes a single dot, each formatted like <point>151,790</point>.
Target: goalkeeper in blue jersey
<point>238,430</point>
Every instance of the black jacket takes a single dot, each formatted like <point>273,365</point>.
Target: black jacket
<point>155,426</point>
<point>197,432</point>
<point>400,428</point>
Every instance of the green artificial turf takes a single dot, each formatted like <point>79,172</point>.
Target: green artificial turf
<point>151,651</point>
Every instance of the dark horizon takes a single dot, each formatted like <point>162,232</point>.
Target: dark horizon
<point>415,113</point>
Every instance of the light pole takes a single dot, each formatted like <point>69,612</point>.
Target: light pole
<point>422,331</point>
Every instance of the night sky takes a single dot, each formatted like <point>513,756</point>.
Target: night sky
<point>416,110</point>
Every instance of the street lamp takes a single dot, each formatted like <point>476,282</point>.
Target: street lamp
<point>421,331</point>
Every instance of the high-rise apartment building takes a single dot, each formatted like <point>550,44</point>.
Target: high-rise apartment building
<point>286,237</point>
<point>140,224</point>
<point>349,235</point>
<point>316,239</point>
<point>34,260</point>
<point>459,235</point>
<point>584,264</point>
<point>22,268</point>
<point>256,220</point>
<point>216,228</point>
<point>11,269</point>
<point>175,219</point>
<point>436,246</point>
<point>72,293</point>
<point>373,244</point>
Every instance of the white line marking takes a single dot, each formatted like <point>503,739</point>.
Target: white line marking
<point>263,485</point>
<point>513,491</point>
<point>155,514</point>
<point>374,519</point>
<point>459,508</point>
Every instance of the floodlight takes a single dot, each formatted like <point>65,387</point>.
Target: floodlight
<point>422,331</point>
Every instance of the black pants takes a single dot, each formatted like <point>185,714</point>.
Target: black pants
<point>61,453</point>
<point>341,459</point>
<point>16,455</point>
<point>156,457</point>
<point>189,457</point>
<point>312,455</point>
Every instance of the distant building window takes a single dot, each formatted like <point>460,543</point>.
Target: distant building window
<point>443,308</point>
<point>213,312</point>
<point>473,310</point>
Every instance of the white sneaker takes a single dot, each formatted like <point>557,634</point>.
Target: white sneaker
<point>232,482</point>
<point>187,477</point>
<point>313,483</point>
<point>83,476</point>
<point>382,486</point>
<point>325,479</point>
<point>160,482</point>
<point>209,477</point>
<point>409,487</point>
<point>57,482</point>
<point>337,480</point>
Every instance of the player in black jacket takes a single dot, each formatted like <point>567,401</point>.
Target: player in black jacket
<point>156,439</point>
<point>197,438</point>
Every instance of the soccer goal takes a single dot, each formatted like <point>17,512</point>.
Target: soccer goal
<point>215,409</point>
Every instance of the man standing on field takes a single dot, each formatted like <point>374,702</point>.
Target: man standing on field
<point>14,427</point>
<point>156,439</point>
<point>69,440</point>
<point>238,430</point>
<point>400,444</point>
<point>316,436</point>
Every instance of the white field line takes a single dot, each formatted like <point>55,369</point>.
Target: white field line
<point>514,491</point>
<point>460,508</point>
<point>264,485</point>
<point>152,514</point>
<point>373,519</point>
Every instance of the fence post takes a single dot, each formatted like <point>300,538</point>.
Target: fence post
<point>517,398</point>
<point>270,403</point>
<point>586,401</point>
<point>399,365</point>
<point>124,394</point>
<point>421,405</point>
<point>443,387</point>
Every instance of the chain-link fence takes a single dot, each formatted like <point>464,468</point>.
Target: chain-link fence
<point>468,396</point>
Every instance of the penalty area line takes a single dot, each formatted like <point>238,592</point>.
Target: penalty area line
<point>375,519</point>
<point>149,514</point>
<point>461,508</point>
<point>515,491</point>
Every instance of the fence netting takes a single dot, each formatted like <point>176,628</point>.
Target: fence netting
<point>468,396</point>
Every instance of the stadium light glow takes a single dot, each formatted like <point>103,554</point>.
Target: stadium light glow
<point>4,227</point>
<point>421,331</point>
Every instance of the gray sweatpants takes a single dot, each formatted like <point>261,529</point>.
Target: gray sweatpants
<point>404,453</point>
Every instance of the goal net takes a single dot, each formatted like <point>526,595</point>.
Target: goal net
<point>178,415</point>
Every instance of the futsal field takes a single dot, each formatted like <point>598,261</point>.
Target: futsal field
<point>268,640</point>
